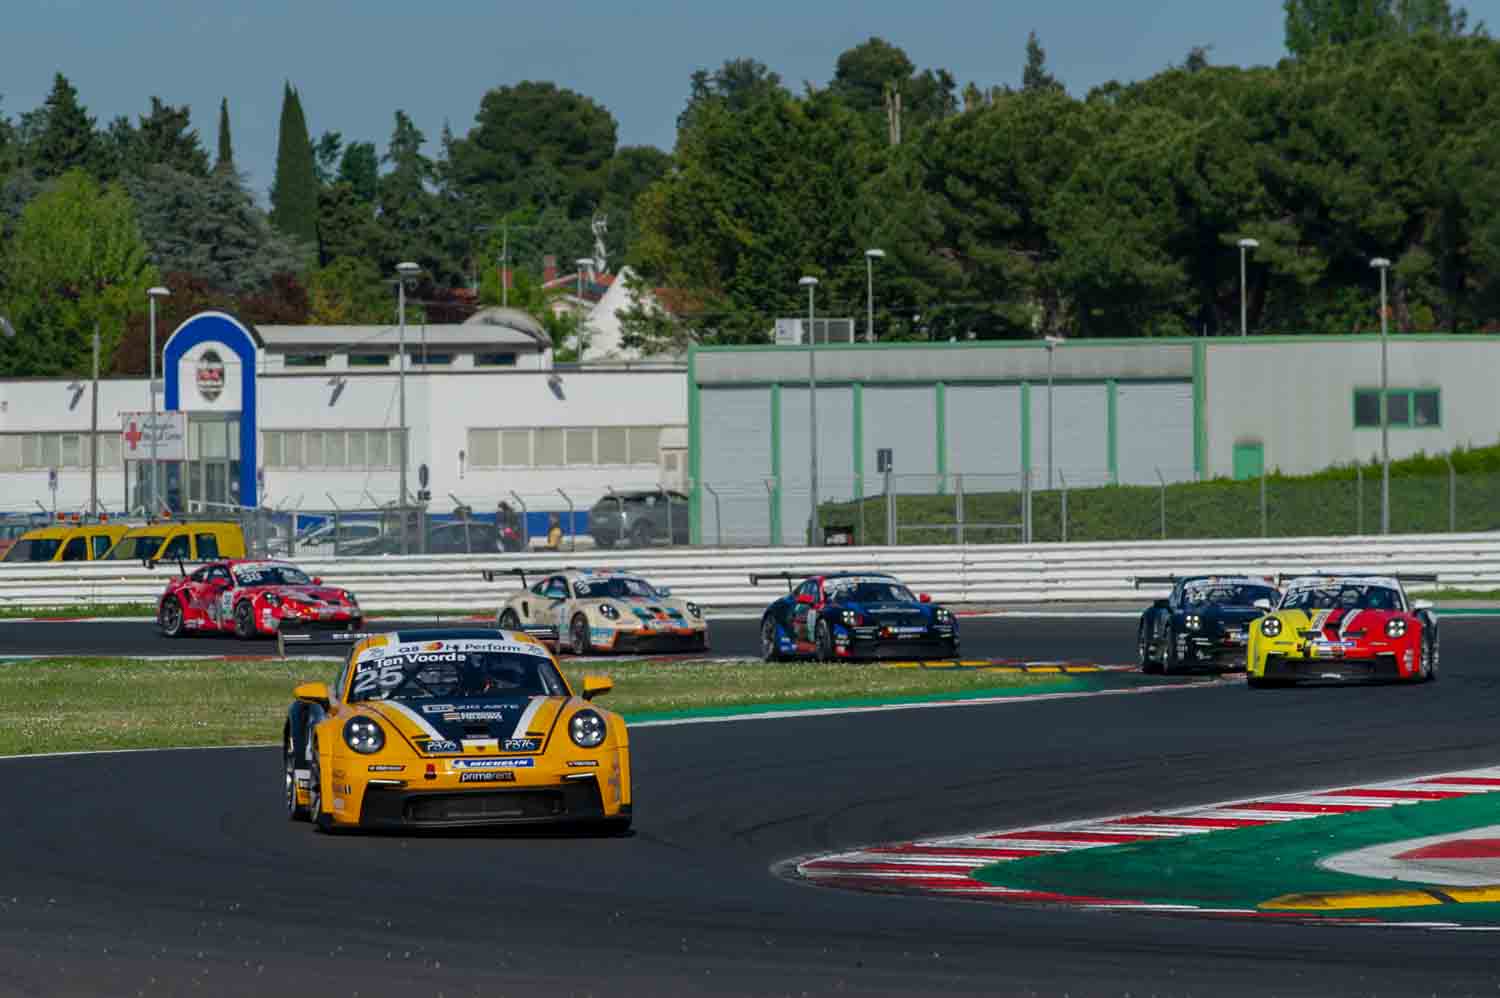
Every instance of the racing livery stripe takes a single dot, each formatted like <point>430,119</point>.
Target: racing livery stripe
<point>414,717</point>
<point>523,723</point>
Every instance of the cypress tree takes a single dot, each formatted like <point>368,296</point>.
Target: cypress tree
<point>294,194</point>
<point>225,163</point>
<point>68,141</point>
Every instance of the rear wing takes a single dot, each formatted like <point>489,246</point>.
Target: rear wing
<point>756,578</point>
<point>295,635</point>
<point>181,563</point>
<point>491,574</point>
<point>1401,577</point>
<point>1154,580</point>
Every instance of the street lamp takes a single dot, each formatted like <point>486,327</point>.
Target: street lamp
<point>7,328</point>
<point>405,271</point>
<point>1245,244</point>
<point>1381,264</point>
<point>811,284</point>
<point>871,255</point>
<point>152,294</point>
<point>1051,342</point>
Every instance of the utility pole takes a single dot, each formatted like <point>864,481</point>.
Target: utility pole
<point>94,432</point>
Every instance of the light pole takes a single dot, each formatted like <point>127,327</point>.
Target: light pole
<point>1245,244</point>
<point>404,271</point>
<point>871,255</point>
<point>7,328</point>
<point>811,284</point>
<point>1052,343</point>
<point>152,294</point>
<point>1381,264</point>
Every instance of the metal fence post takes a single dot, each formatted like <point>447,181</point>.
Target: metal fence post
<point>1063,480</point>
<point>667,497</point>
<point>1163,481</point>
<point>1359,500</point>
<point>525,530</point>
<point>891,527</point>
<point>771,512</point>
<point>1026,506</point>
<point>1263,500</point>
<point>572,521</point>
<point>718,513</point>
<point>958,505</point>
<point>1452,496</point>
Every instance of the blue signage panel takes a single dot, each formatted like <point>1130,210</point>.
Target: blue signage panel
<point>241,339</point>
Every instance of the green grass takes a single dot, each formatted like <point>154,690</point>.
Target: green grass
<point>58,705</point>
<point>1331,502</point>
<point>11,612</point>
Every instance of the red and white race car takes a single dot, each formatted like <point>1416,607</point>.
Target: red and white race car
<point>252,599</point>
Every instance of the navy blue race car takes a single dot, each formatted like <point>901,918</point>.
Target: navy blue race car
<point>1205,622</point>
<point>853,615</point>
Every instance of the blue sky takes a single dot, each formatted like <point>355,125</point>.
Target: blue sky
<point>356,61</point>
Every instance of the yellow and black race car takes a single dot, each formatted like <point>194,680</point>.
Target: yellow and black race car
<point>442,728</point>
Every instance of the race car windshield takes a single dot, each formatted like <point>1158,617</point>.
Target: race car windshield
<point>34,549</point>
<point>615,589</point>
<point>1342,597</point>
<point>871,592</point>
<point>134,548</point>
<point>1225,593</point>
<point>445,675</point>
<point>271,575</point>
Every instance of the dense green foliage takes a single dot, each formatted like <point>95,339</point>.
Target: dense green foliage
<point>1003,212</point>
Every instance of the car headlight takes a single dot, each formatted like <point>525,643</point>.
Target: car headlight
<point>587,729</point>
<point>1270,626</point>
<point>850,618</point>
<point>942,616</point>
<point>1395,628</point>
<point>608,610</point>
<point>363,735</point>
<point>1194,622</point>
<point>695,609</point>
<point>272,599</point>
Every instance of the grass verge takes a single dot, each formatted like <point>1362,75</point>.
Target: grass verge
<point>61,705</point>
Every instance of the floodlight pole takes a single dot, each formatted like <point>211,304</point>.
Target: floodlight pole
<point>152,295</point>
<point>811,284</point>
<point>403,271</point>
<point>1245,244</point>
<point>1381,264</point>
<point>871,255</point>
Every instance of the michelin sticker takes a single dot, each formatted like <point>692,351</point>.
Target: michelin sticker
<point>493,763</point>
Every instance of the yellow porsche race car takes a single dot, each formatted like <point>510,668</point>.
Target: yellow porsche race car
<point>444,728</point>
<point>587,610</point>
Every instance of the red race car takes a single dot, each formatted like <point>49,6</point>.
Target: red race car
<point>252,599</point>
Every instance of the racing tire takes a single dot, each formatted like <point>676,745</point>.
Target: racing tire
<point>294,810</point>
<point>169,618</point>
<point>322,821</point>
<point>244,621</point>
<point>1260,683</point>
<point>824,638</point>
<point>1429,660</point>
<point>509,621</point>
<point>770,650</point>
<point>578,631</point>
<point>1172,661</point>
<point>1143,652</point>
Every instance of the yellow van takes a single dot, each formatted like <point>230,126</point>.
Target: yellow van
<point>188,540</point>
<point>66,542</point>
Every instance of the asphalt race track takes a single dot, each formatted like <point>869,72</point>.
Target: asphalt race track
<point>176,872</point>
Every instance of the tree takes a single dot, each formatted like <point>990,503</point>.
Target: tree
<point>210,227</point>
<point>874,75</point>
<point>166,138</point>
<point>359,167</point>
<point>294,194</point>
<point>1313,24</point>
<point>529,128</point>
<point>327,153</point>
<point>1035,76</point>
<point>348,227</point>
<point>738,83</point>
<point>65,137</point>
<point>225,162</point>
<point>349,292</point>
<point>77,258</point>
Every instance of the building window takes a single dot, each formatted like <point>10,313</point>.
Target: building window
<point>344,449</point>
<point>494,360</point>
<point>369,360</point>
<point>1408,407</point>
<point>306,360</point>
<point>572,446</point>
<point>430,359</point>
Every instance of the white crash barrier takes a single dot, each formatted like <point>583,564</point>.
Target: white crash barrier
<point>973,574</point>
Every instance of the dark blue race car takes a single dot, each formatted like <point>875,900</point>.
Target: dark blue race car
<point>1204,623</point>
<point>853,615</point>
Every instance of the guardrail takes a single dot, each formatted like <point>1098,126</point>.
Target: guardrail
<point>974,574</point>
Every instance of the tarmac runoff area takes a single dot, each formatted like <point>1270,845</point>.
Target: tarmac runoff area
<point>1421,852</point>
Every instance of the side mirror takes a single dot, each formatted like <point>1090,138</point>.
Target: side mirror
<point>1421,604</point>
<point>314,693</point>
<point>595,685</point>
<point>1263,605</point>
<point>805,599</point>
<point>663,591</point>
<point>923,598</point>
<point>317,580</point>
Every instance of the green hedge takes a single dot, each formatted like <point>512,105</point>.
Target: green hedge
<point>1326,503</point>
